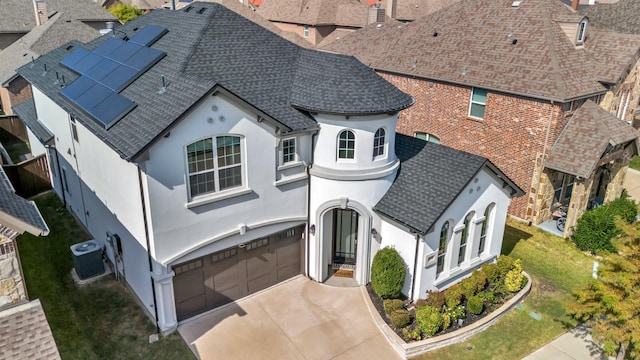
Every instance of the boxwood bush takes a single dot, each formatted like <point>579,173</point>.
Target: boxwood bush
<point>492,272</point>
<point>391,305</point>
<point>388,271</point>
<point>453,296</point>
<point>475,305</point>
<point>429,320</point>
<point>400,318</point>
<point>595,229</point>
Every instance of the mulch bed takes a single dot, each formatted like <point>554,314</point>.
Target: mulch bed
<point>468,319</point>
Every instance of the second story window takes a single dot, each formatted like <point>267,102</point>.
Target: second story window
<point>346,145</point>
<point>427,137</point>
<point>288,150</point>
<point>378,143</point>
<point>581,32</point>
<point>306,31</point>
<point>478,103</point>
<point>214,168</point>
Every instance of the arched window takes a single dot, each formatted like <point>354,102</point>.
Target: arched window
<point>346,145</point>
<point>582,29</point>
<point>442,248</point>
<point>378,143</point>
<point>485,227</point>
<point>214,164</point>
<point>465,238</point>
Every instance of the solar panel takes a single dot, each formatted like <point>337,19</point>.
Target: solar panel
<point>125,51</point>
<point>144,59</point>
<point>93,96</point>
<point>112,109</point>
<point>87,63</point>
<point>102,69</point>
<point>77,88</point>
<point>73,58</point>
<point>148,35</point>
<point>119,78</point>
<point>109,47</point>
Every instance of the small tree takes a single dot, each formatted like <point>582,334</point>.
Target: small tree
<point>125,12</point>
<point>388,271</point>
<point>612,301</point>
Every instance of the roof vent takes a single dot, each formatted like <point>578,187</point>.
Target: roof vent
<point>435,34</point>
<point>516,4</point>
<point>379,26</point>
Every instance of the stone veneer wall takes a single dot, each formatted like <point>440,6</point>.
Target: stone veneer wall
<point>11,284</point>
<point>611,100</point>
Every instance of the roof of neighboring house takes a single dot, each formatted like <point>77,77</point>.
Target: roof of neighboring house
<point>353,13</point>
<point>612,53</point>
<point>430,178</point>
<point>483,43</point>
<point>25,333</point>
<point>411,10</point>
<point>26,110</point>
<point>42,39</point>
<point>586,137</point>
<point>622,16</point>
<point>17,213</point>
<point>217,48</point>
<point>20,16</point>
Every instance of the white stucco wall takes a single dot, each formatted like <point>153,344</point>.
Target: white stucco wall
<point>35,145</point>
<point>181,229</point>
<point>392,235</point>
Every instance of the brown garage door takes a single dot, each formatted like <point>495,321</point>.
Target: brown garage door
<point>219,278</point>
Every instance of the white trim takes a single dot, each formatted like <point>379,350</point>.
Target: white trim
<point>355,138</point>
<point>290,179</point>
<point>296,157</point>
<point>471,102</point>
<point>358,174</point>
<point>290,165</point>
<point>582,30</point>
<point>213,197</point>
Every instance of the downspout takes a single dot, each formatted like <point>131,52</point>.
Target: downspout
<point>150,259</point>
<point>309,166</point>
<point>64,198</point>
<point>415,268</point>
<point>544,154</point>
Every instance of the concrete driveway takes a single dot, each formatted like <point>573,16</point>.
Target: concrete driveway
<point>298,319</point>
<point>632,184</point>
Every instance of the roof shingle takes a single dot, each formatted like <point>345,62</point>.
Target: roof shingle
<point>25,333</point>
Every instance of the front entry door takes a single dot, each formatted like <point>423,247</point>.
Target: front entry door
<point>345,236</point>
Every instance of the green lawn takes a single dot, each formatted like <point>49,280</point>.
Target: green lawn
<point>99,321</point>
<point>635,163</point>
<point>556,267</point>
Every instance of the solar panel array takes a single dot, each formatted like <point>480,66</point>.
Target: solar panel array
<point>109,69</point>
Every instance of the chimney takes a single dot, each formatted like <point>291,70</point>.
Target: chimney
<point>40,7</point>
<point>376,14</point>
<point>574,4</point>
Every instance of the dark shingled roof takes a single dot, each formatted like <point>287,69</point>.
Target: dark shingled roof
<point>25,333</point>
<point>26,111</point>
<point>221,48</point>
<point>430,178</point>
<point>622,16</point>
<point>471,43</point>
<point>585,138</point>
<point>19,208</point>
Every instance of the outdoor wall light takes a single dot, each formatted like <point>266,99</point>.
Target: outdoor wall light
<point>374,232</point>
<point>312,229</point>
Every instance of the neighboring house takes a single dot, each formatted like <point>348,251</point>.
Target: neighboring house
<point>217,159</point>
<point>505,79</point>
<point>53,33</point>
<point>21,16</point>
<point>25,333</point>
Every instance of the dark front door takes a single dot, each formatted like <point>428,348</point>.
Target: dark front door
<point>345,236</point>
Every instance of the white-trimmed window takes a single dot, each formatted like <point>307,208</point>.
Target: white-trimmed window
<point>464,239</point>
<point>288,150</point>
<point>214,168</point>
<point>346,145</point>
<point>74,132</point>
<point>442,247</point>
<point>478,103</point>
<point>378,143</point>
<point>581,32</point>
<point>623,105</point>
<point>427,137</point>
<point>306,31</point>
<point>485,228</point>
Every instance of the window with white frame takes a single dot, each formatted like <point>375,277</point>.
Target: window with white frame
<point>442,248</point>
<point>214,168</point>
<point>378,143</point>
<point>581,32</point>
<point>623,105</point>
<point>346,145</point>
<point>427,137</point>
<point>485,227</point>
<point>306,31</point>
<point>288,150</point>
<point>478,103</point>
<point>464,239</point>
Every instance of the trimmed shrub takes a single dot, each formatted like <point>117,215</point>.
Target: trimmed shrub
<point>446,321</point>
<point>391,305</point>
<point>626,208</point>
<point>492,272</point>
<point>435,299</point>
<point>489,297</point>
<point>595,229</point>
<point>515,280</point>
<point>412,333</point>
<point>475,305</point>
<point>400,318</point>
<point>453,296</point>
<point>387,273</point>
<point>505,264</point>
<point>455,313</point>
<point>421,303</point>
<point>429,320</point>
<point>468,287</point>
<point>480,279</point>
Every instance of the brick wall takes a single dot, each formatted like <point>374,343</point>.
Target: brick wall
<point>18,91</point>
<point>511,135</point>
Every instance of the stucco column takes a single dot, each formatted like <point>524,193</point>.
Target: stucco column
<point>167,320</point>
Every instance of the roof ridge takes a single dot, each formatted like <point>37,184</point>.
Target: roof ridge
<point>553,56</point>
<point>195,44</point>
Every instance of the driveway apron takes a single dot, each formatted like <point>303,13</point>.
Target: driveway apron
<point>297,319</point>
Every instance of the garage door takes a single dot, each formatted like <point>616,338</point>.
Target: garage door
<point>219,278</point>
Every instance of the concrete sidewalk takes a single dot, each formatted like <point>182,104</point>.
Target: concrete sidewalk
<point>576,344</point>
<point>632,184</point>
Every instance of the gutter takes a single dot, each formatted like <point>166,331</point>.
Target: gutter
<point>415,269</point>
<point>309,166</point>
<point>149,258</point>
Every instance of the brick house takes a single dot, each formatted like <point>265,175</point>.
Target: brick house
<point>505,83</point>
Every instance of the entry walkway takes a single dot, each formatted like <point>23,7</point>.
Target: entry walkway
<point>298,319</point>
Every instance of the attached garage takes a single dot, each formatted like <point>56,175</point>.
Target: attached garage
<point>222,277</point>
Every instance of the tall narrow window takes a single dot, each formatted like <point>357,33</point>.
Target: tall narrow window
<point>212,168</point>
<point>442,248</point>
<point>288,150</point>
<point>346,145</point>
<point>306,31</point>
<point>65,183</point>
<point>581,32</point>
<point>465,238</point>
<point>74,132</point>
<point>485,226</point>
<point>378,143</point>
<point>478,103</point>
